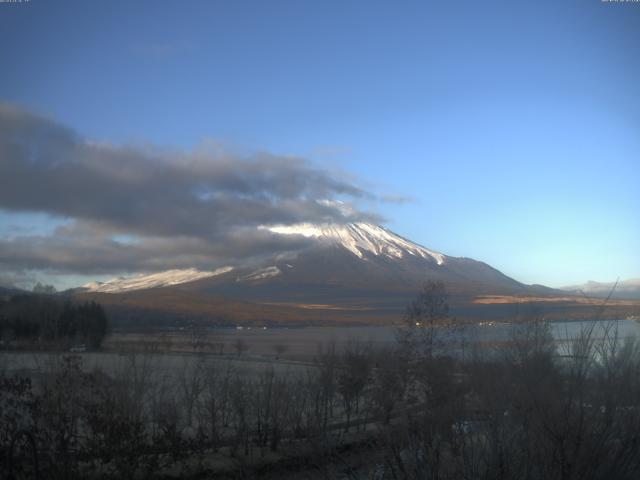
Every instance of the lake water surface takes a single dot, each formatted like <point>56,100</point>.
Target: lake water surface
<point>300,344</point>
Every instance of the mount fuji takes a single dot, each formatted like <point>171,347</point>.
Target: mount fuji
<point>349,272</point>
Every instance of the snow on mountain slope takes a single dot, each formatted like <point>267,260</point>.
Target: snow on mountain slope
<point>359,238</point>
<point>153,280</point>
<point>262,273</point>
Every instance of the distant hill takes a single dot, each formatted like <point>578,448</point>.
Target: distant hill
<point>629,289</point>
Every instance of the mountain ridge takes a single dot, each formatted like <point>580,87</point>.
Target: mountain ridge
<point>629,288</point>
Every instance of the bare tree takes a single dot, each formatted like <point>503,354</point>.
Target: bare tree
<point>192,383</point>
<point>389,384</point>
<point>218,347</point>
<point>239,395</point>
<point>327,364</point>
<point>213,404</point>
<point>427,321</point>
<point>354,376</point>
<point>280,349</point>
<point>241,346</point>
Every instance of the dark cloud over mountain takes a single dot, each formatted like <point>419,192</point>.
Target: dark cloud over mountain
<point>173,208</point>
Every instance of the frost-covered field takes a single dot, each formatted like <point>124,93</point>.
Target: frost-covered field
<point>165,365</point>
<point>287,350</point>
<point>304,343</point>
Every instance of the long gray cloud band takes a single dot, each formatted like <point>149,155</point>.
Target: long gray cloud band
<point>180,209</point>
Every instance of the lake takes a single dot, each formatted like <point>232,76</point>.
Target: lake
<point>277,346</point>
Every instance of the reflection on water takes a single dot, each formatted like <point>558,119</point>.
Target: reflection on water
<point>561,331</point>
<point>485,334</point>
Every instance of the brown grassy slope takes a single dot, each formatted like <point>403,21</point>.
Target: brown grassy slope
<point>171,306</point>
<point>175,304</point>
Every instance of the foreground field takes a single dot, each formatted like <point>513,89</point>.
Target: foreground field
<point>392,405</point>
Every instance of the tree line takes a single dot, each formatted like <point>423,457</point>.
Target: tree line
<point>52,320</point>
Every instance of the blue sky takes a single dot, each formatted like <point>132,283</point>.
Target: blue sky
<point>513,128</point>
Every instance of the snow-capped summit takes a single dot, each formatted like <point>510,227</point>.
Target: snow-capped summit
<point>153,280</point>
<point>360,238</point>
